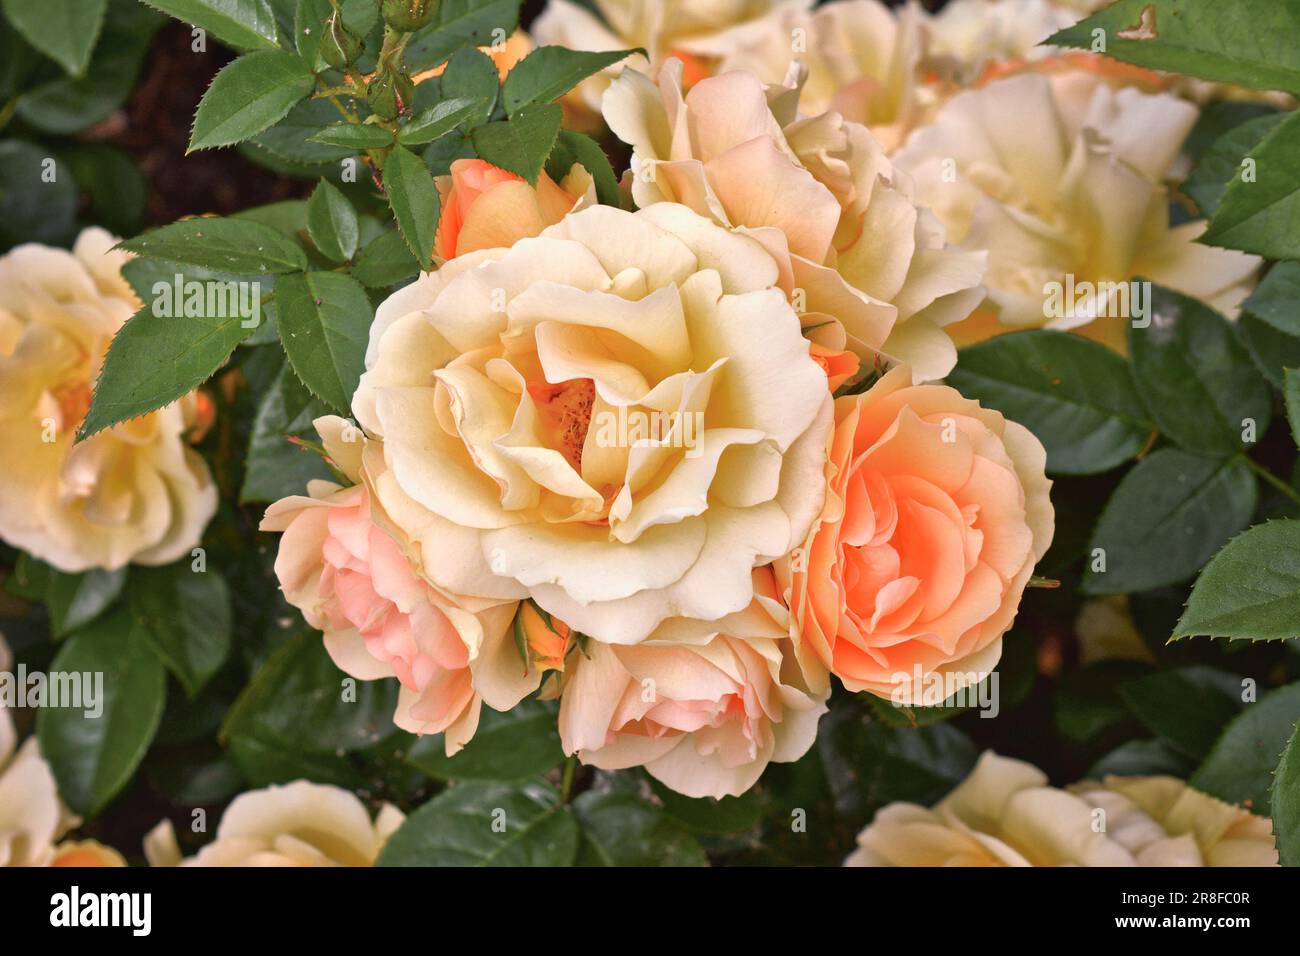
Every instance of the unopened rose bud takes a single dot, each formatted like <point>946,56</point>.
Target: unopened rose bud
<point>340,47</point>
<point>381,95</point>
<point>407,16</point>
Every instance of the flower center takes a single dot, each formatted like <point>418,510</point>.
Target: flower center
<point>73,400</point>
<point>566,411</point>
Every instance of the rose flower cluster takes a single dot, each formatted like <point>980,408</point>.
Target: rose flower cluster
<point>675,464</point>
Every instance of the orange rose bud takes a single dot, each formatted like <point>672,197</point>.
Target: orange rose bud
<point>484,207</point>
<point>547,644</point>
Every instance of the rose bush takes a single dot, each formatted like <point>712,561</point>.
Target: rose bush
<point>636,433</point>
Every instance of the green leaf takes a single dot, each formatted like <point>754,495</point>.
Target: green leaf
<point>243,24</point>
<point>291,141</point>
<point>1168,517</point>
<point>249,95</point>
<point>521,145</point>
<point>708,815</point>
<point>1259,215</point>
<point>1251,589</point>
<point>237,246</point>
<point>414,199</point>
<point>472,75</point>
<point>1076,396</point>
<point>1141,758</point>
<point>1286,803</point>
<point>353,136</point>
<point>34,207</point>
<point>1272,351</point>
<point>869,765</point>
<point>65,104</point>
<point>1239,768</point>
<point>332,223</point>
<point>1276,299</point>
<point>74,600</point>
<point>324,320</point>
<point>184,615</point>
<point>440,120</point>
<point>548,72</point>
<point>619,829</point>
<point>276,467</point>
<point>461,23</point>
<point>1188,708</point>
<point>1247,42</point>
<point>308,27</point>
<point>116,187</point>
<point>385,262</point>
<point>64,30</point>
<point>301,702</point>
<point>156,359</point>
<point>577,148</point>
<point>1087,708</point>
<point>522,743</point>
<point>1291,393</point>
<point>1196,378</point>
<point>93,758</point>
<point>485,824</point>
<point>1222,162</point>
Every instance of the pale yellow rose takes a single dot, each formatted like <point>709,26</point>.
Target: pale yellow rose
<point>294,824</point>
<point>1062,179</point>
<point>859,259</point>
<point>1006,814</point>
<point>967,35</point>
<point>355,576</point>
<point>618,417</point>
<point>663,28</point>
<point>133,493</point>
<point>864,60</point>
<point>1164,822</point>
<point>704,715</point>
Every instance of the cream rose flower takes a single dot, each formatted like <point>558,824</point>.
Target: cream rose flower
<point>968,35</point>
<point>857,256</point>
<point>1164,822</point>
<point>936,513</point>
<point>1006,814</point>
<point>344,563</point>
<point>663,28</point>
<point>1062,179</point>
<point>135,492</point>
<point>705,716</point>
<point>295,824</point>
<point>619,417</point>
<point>863,59</point>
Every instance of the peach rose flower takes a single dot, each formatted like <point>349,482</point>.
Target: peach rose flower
<point>345,565</point>
<point>663,28</point>
<point>484,207</point>
<point>864,266</point>
<point>1006,814</point>
<point>618,418</point>
<point>1064,177</point>
<point>704,717</point>
<point>936,514</point>
<point>134,492</point>
<point>294,824</point>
